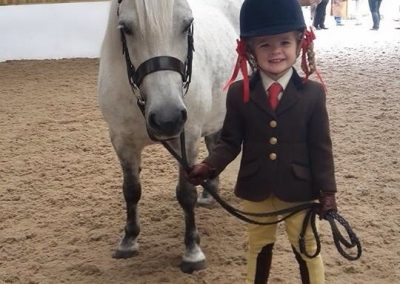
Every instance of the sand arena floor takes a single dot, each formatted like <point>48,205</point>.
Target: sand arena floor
<point>62,210</point>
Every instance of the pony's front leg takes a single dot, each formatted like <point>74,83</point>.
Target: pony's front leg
<point>205,199</point>
<point>128,246</point>
<point>130,160</point>
<point>193,258</point>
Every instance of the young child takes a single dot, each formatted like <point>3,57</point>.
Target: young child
<point>280,123</point>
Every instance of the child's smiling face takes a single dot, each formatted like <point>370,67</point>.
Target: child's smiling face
<point>275,54</point>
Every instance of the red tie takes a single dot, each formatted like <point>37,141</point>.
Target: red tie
<point>273,92</point>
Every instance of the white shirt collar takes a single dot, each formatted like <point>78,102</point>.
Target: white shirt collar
<point>283,81</point>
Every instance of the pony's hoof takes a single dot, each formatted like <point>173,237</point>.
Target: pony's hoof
<point>208,201</point>
<point>124,253</point>
<point>189,267</point>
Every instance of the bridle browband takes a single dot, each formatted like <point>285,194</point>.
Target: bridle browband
<point>158,63</point>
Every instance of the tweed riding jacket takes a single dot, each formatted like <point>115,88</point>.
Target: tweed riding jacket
<point>287,152</point>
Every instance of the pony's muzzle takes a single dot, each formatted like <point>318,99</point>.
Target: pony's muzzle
<point>167,123</point>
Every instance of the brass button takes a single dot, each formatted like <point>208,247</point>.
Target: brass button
<point>272,156</point>
<point>273,140</point>
<point>273,123</point>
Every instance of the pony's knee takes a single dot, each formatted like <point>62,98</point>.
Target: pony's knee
<point>186,195</point>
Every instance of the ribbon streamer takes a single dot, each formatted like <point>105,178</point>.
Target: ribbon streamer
<point>241,64</point>
<point>307,42</point>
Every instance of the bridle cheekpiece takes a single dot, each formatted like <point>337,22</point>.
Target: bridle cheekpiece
<point>158,63</point>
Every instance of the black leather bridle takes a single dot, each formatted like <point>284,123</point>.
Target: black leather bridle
<point>158,63</point>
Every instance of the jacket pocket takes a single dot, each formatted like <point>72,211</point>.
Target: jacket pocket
<point>248,170</point>
<point>301,172</point>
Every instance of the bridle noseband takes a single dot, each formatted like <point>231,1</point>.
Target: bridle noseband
<point>158,63</point>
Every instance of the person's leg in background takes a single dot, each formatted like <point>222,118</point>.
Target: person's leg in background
<point>320,15</point>
<point>313,9</point>
<point>374,6</point>
<point>338,21</point>
<point>378,11</point>
<point>317,18</point>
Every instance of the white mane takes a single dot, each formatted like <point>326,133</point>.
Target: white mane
<point>155,16</point>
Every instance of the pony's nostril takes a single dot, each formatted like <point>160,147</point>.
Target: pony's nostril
<point>153,122</point>
<point>184,115</point>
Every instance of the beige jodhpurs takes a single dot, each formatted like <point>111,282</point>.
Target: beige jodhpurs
<point>261,239</point>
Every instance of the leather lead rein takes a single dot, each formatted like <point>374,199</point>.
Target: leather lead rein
<point>332,217</point>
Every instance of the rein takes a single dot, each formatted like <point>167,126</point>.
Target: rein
<point>331,216</point>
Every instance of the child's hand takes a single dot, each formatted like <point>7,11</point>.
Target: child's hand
<point>328,203</point>
<point>199,173</point>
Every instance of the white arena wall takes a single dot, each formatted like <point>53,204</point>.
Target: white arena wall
<point>71,30</point>
<point>52,31</point>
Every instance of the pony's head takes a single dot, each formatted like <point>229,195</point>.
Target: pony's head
<point>157,43</point>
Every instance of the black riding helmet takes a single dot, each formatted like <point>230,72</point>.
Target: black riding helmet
<point>270,17</point>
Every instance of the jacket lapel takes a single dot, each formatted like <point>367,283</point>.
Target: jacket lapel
<point>289,98</point>
<point>259,97</point>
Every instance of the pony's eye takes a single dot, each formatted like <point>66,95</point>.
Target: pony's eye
<point>188,25</point>
<point>125,28</point>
